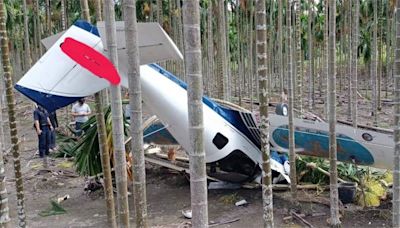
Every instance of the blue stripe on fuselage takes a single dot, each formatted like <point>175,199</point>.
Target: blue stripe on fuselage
<point>87,26</point>
<point>232,116</point>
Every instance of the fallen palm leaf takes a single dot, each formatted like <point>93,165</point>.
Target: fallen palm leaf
<point>229,199</point>
<point>56,209</point>
<point>85,149</point>
<point>65,164</point>
<point>373,193</point>
<point>37,165</point>
<point>372,185</point>
<point>388,178</point>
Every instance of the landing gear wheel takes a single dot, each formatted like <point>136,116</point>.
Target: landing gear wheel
<point>281,109</point>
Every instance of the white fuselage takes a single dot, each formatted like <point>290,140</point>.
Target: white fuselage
<point>169,102</point>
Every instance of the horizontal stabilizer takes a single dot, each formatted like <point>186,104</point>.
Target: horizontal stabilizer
<point>154,43</point>
<point>56,80</point>
<point>49,41</point>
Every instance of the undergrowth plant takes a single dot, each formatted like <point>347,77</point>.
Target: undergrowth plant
<point>85,149</point>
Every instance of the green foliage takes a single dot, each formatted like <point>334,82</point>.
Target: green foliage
<point>346,171</point>
<point>85,149</point>
<point>309,175</point>
<point>56,209</point>
<point>374,189</point>
<point>374,183</point>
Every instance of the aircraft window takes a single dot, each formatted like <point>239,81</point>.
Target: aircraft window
<point>220,141</point>
<point>367,137</point>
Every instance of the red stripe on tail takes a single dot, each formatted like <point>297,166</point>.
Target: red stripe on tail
<point>91,60</point>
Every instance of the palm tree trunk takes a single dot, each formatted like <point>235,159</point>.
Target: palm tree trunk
<point>105,160</point>
<point>392,52</point>
<point>380,54</point>
<point>103,147</point>
<point>293,56</point>
<point>280,51</point>
<point>39,23</point>
<point>135,101</point>
<point>239,54</point>
<point>388,47</point>
<point>85,10</point>
<point>63,16</point>
<point>298,77</point>
<point>311,90</point>
<point>67,8</point>
<point>5,54</point>
<point>99,17</point>
<point>322,69</point>
<point>18,64</point>
<point>251,59</point>
<point>261,47</point>
<point>292,155</point>
<point>210,49</point>
<point>334,198</point>
<point>151,14</point>
<point>179,36</point>
<point>2,122</point>
<point>64,27</point>
<point>396,169</point>
<point>4,210</point>
<point>35,55</point>
<point>271,42</point>
<point>48,17</point>
<point>204,49</point>
<point>228,55</point>
<point>291,87</point>
<point>159,12</point>
<point>197,156</point>
<point>222,67</point>
<point>345,44</point>
<point>374,67</point>
<point>26,38</point>
<point>242,75</point>
<point>350,16</point>
<point>354,64</point>
<point>117,121</point>
<point>326,63</point>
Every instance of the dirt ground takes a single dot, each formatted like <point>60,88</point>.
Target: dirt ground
<point>168,193</point>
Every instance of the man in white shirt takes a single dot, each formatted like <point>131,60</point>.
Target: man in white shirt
<point>81,112</point>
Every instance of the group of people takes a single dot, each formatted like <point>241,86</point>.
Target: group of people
<point>46,123</point>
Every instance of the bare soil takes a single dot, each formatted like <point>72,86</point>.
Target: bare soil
<point>168,193</point>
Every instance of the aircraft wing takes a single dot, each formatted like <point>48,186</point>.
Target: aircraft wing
<point>354,145</point>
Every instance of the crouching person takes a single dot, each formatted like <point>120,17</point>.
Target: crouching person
<point>43,129</point>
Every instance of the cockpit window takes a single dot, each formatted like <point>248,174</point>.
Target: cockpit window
<point>220,141</point>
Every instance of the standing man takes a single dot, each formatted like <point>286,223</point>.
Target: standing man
<point>54,123</point>
<point>80,111</point>
<point>43,128</point>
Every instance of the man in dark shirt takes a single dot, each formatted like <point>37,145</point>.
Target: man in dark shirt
<point>54,123</point>
<point>43,128</point>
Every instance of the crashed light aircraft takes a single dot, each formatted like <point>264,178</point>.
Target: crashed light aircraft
<point>231,135</point>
